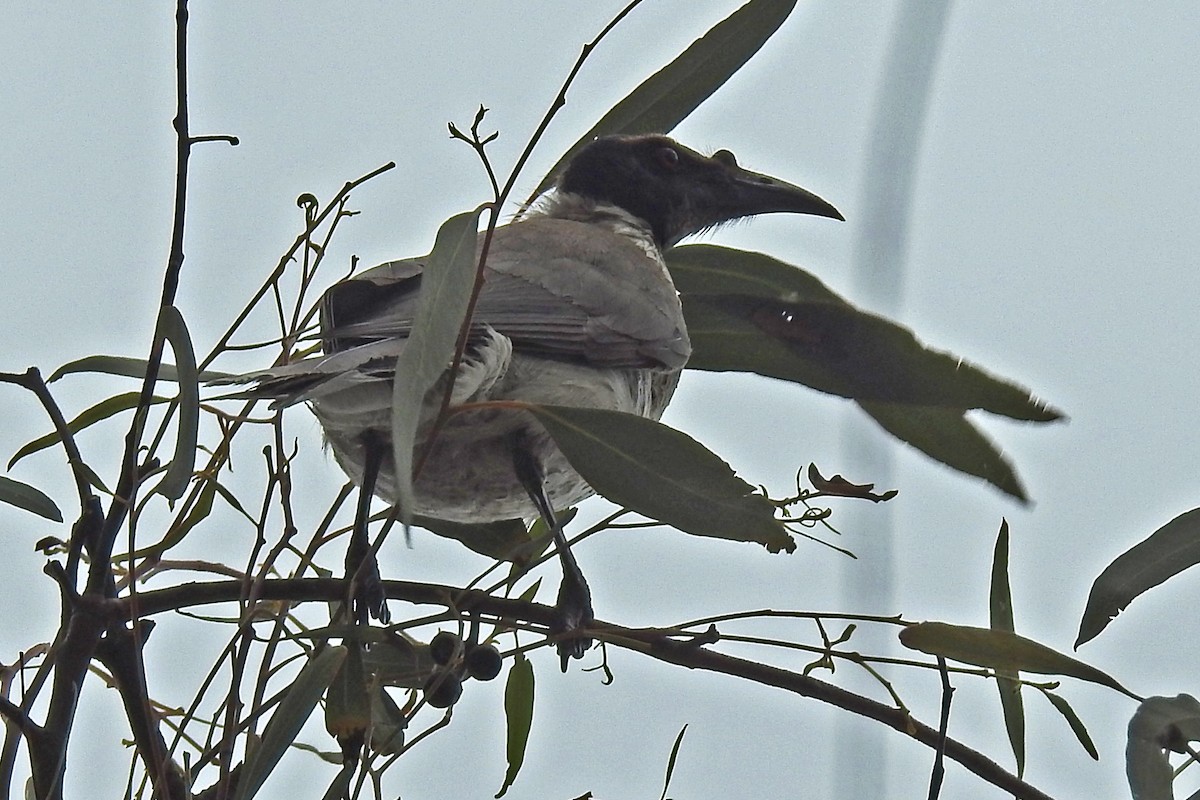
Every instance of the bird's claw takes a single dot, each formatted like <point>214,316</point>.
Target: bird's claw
<point>573,612</point>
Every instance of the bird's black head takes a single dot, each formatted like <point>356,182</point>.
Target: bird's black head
<point>677,191</point>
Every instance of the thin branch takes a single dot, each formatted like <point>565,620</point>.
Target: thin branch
<point>651,642</point>
<point>939,766</point>
<point>32,380</point>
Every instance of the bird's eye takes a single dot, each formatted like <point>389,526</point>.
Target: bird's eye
<point>668,157</point>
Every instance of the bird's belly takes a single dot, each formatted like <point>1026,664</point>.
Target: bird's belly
<point>468,475</point>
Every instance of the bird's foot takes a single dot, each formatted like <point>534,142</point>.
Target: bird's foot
<point>367,596</point>
<point>572,612</point>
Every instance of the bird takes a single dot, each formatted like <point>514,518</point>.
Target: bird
<point>577,308</point>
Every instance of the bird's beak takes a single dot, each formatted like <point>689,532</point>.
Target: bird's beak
<point>756,193</point>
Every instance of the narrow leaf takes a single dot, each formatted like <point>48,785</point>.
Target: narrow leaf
<point>1000,595</point>
<point>179,474</point>
<point>127,367</point>
<point>233,501</point>
<point>1165,553</point>
<point>388,722</point>
<point>181,527</point>
<point>399,662</point>
<point>1160,725</point>
<point>505,540</point>
<point>663,474</point>
<point>752,313</point>
<point>518,710</point>
<point>946,435</point>
<point>101,411</point>
<point>445,293</point>
<point>1000,650</point>
<point>30,498</point>
<point>671,761</point>
<point>293,711</point>
<point>1007,681</point>
<point>668,96</point>
<point>1077,726</point>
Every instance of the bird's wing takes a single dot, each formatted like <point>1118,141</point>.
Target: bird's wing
<point>555,287</point>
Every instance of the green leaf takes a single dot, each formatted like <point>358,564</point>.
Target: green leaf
<point>446,286</point>
<point>93,478</point>
<point>504,540</point>
<point>101,411</point>
<point>233,501</point>
<point>1160,723</point>
<point>998,650</point>
<point>1077,726</point>
<point>749,312</point>
<point>1165,553</point>
<point>671,761</point>
<point>22,495</point>
<point>175,534</point>
<point>663,474</point>
<point>387,723</point>
<point>179,474</point>
<point>1007,681</point>
<point>127,367</point>
<point>518,710</point>
<point>398,661</point>
<point>294,710</point>
<point>946,435</point>
<point>668,96</point>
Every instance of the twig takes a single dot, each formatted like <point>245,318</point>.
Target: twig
<point>32,380</point>
<point>653,643</point>
<point>939,766</point>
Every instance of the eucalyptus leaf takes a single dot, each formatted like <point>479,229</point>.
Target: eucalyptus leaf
<point>293,711</point>
<point>749,312</point>
<point>1077,727</point>
<point>668,96</point>
<point>1159,725</point>
<point>183,463</point>
<point>446,286</point>
<point>506,540</point>
<point>127,367</point>
<point>518,713</point>
<point>1007,680</point>
<point>100,411</point>
<point>984,647</point>
<point>663,474</point>
<point>1163,554</point>
<point>946,435</point>
<point>180,528</point>
<point>30,498</point>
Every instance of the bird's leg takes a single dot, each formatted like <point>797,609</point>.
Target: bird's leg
<point>362,569</point>
<point>574,604</point>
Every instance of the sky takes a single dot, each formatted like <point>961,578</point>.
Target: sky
<point>1052,240</point>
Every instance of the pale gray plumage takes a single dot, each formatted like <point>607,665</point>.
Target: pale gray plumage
<point>570,313</point>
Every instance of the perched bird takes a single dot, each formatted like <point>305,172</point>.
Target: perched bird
<point>577,308</point>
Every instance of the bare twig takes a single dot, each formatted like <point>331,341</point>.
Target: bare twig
<point>939,766</point>
<point>651,642</point>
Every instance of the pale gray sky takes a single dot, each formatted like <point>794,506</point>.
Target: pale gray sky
<point>1053,242</point>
